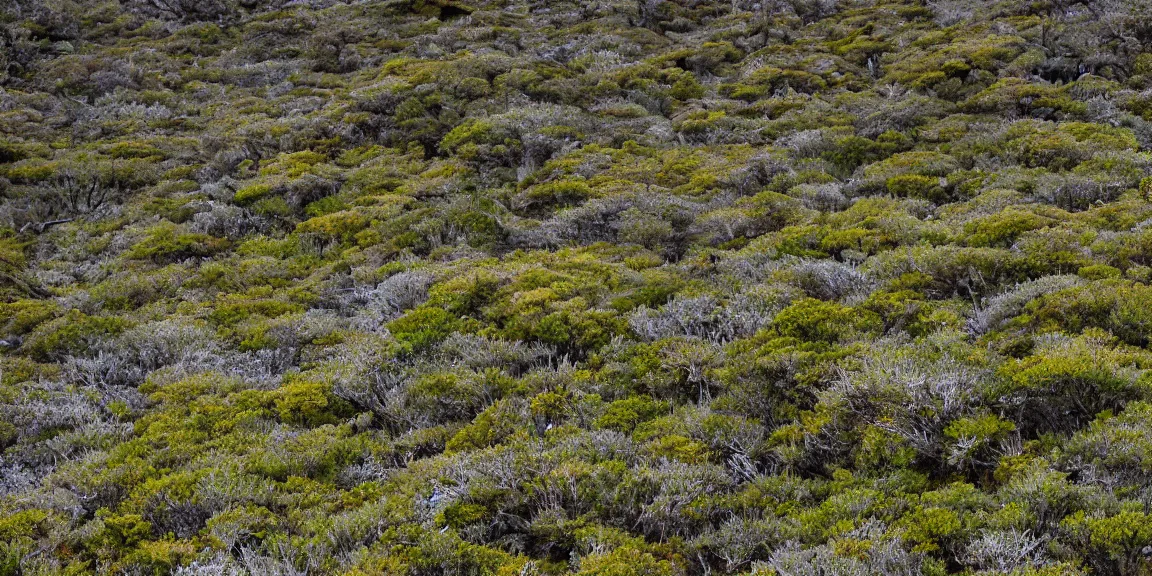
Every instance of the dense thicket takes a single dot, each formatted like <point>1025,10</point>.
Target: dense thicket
<point>526,287</point>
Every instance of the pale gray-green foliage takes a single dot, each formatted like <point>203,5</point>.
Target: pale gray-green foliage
<point>831,280</point>
<point>911,391</point>
<point>709,318</point>
<point>738,540</point>
<point>1005,551</point>
<point>888,557</point>
<point>994,311</point>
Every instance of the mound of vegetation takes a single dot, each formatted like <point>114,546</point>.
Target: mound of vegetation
<point>528,287</point>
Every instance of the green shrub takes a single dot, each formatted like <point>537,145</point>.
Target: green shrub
<point>304,402</point>
<point>625,561</point>
<point>21,316</point>
<point>624,415</point>
<point>342,225</point>
<point>249,194</point>
<point>558,193</point>
<point>167,244</point>
<point>492,426</point>
<point>916,186</point>
<point>812,320</point>
<point>72,334</point>
<point>1098,272</point>
<point>423,327</point>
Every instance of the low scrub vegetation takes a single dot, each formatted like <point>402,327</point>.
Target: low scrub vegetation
<point>612,288</point>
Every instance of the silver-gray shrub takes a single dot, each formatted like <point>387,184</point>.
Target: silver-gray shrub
<point>479,352</point>
<point>127,359</point>
<point>707,317</point>
<point>887,556</point>
<point>1076,192</point>
<point>52,406</point>
<point>388,299</point>
<point>220,565</point>
<point>1005,551</point>
<point>739,540</point>
<point>675,486</point>
<point>910,390</point>
<point>679,317</point>
<point>223,220</point>
<point>831,280</point>
<point>824,197</point>
<point>994,311</point>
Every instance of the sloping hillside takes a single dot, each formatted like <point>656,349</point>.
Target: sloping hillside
<point>527,287</point>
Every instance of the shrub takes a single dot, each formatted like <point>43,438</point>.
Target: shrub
<point>303,402</point>
<point>994,311</point>
<point>20,317</point>
<point>884,556</point>
<point>1116,539</point>
<point>624,415</point>
<point>556,194</point>
<point>919,394</point>
<point>492,426</point>
<point>423,327</point>
<point>1110,304</point>
<point>625,561</point>
<point>951,270</point>
<point>528,288</point>
<point>916,186</point>
<point>167,244</point>
<point>341,225</point>
<point>1116,443</point>
<point>1073,377</point>
<point>816,321</point>
<point>1002,229</point>
<point>74,333</point>
<point>249,194</point>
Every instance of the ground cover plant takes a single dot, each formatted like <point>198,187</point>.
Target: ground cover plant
<point>610,287</point>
